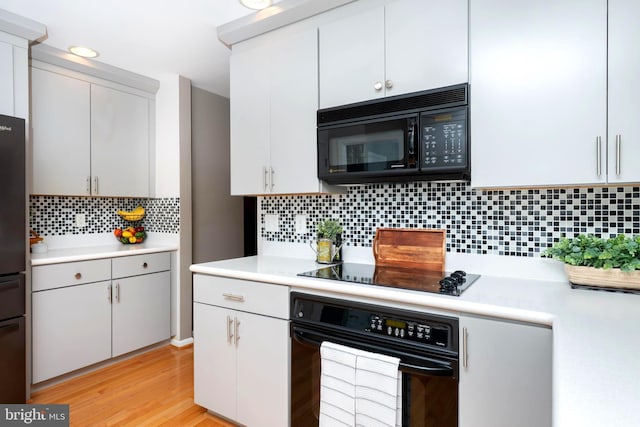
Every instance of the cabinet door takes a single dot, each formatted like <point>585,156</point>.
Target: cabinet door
<point>214,360</point>
<point>119,143</point>
<point>352,58</point>
<point>6,79</point>
<point>507,378</point>
<point>538,92</point>
<point>263,381</point>
<point>293,106</point>
<point>71,329</point>
<point>249,110</point>
<point>426,44</point>
<point>141,311</point>
<point>624,93</point>
<point>61,135</point>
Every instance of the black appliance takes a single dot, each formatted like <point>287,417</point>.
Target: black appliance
<point>417,136</point>
<point>12,260</point>
<point>426,344</point>
<point>406,278</point>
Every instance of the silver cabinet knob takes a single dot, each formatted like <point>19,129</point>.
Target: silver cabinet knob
<point>388,84</point>
<point>378,86</point>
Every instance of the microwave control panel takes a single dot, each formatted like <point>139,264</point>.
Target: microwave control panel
<point>444,143</point>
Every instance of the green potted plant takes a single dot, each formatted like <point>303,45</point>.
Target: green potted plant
<point>594,261</point>
<point>329,241</point>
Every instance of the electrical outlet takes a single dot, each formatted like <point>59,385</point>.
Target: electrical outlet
<point>81,220</point>
<point>271,223</point>
<point>301,224</point>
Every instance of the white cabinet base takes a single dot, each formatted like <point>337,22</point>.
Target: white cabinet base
<point>71,329</point>
<point>507,378</point>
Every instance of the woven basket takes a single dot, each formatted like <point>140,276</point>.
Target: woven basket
<point>608,278</point>
<point>132,217</point>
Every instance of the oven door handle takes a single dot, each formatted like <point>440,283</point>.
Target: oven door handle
<point>427,367</point>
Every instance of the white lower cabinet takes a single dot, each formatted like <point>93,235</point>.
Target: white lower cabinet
<point>78,321</point>
<point>71,328</point>
<point>241,359</point>
<point>140,311</point>
<point>505,373</point>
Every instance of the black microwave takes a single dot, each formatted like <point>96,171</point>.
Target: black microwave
<point>413,137</point>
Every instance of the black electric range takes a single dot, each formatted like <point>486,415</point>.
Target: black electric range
<point>446,283</point>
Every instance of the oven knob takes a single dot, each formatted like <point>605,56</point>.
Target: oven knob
<point>397,332</point>
<point>458,276</point>
<point>300,314</point>
<point>389,330</point>
<point>401,333</point>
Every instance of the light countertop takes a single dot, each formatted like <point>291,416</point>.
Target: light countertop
<point>84,253</point>
<point>596,341</point>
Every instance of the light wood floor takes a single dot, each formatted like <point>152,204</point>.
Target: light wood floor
<point>152,389</point>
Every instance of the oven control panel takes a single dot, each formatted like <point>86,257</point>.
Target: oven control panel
<point>424,332</point>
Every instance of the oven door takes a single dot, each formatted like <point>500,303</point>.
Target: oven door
<point>430,385</point>
<point>374,148</point>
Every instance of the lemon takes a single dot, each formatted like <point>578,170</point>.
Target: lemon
<point>127,234</point>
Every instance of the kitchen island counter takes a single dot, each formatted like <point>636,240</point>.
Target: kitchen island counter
<point>595,339</point>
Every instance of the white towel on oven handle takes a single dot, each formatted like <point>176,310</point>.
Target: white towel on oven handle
<point>378,391</point>
<point>359,388</point>
<point>337,385</point>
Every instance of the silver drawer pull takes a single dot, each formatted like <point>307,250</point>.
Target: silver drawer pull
<point>78,276</point>
<point>233,297</point>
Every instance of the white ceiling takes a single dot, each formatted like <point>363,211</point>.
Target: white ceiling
<point>148,37</point>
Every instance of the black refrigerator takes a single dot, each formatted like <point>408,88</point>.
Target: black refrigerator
<point>13,243</point>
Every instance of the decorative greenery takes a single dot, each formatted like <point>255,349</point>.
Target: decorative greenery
<point>329,229</point>
<point>587,250</point>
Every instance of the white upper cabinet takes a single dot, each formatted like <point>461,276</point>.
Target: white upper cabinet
<point>91,136</point>
<point>88,139</point>
<point>119,143</point>
<point>624,92</point>
<point>352,59</point>
<point>405,46</point>
<point>249,109</point>
<point>60,110</point>
<point>274,99</point>
<point>540,105</point>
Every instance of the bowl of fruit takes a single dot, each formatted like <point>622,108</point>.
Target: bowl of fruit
<point>130,235</point>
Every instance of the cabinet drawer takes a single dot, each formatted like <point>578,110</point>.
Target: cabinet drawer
<point>141,264</point>
<point>70,273</point>
<point>253,297</point>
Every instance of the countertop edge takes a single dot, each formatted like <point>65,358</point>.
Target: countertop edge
<point>428,301</point>
<point>96,253</point>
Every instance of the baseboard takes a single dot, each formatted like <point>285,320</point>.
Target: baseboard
<point>182,343</point>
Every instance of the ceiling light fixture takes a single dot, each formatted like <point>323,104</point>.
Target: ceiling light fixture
<point>256,4</point>
<point>85,52</point>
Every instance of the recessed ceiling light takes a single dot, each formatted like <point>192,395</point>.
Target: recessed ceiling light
<point>256,4</point>
<point>85,52</point>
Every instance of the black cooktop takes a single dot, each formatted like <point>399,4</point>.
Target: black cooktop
<point>446,283</point>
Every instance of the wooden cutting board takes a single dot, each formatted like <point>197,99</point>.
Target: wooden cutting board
<point>410,248</point>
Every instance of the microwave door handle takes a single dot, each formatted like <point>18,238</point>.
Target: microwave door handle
<point>411,136</point>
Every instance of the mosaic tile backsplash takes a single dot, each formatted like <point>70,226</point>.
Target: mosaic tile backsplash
<point>55,215</point>
<point>520,222</point>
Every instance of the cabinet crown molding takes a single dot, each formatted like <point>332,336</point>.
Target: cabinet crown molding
<point>97,69</point>
<point>21,27</point>
<point>279,15</point>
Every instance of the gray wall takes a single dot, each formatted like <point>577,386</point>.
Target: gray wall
<point>217,216</point>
